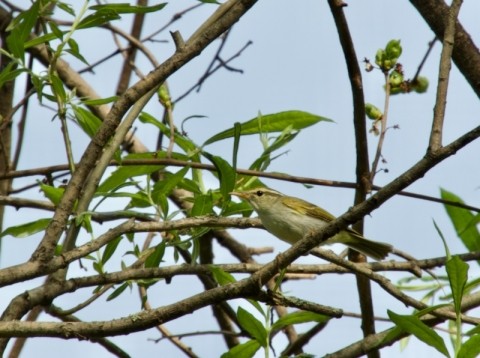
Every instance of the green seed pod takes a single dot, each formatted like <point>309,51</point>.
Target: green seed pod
<point>420,85</point>
<point>373,112</point>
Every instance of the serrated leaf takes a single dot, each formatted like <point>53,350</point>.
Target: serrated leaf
<point>223,278</point>
<point>110,249</point>
<point>470,348</point>
<point>461,219</point>
<point>118,291</point>
<point>298,317</point>
<point>244,350</point>
<point>154,259</point>
<point>269,123</point>
<point>413,325</point>
<point>27,229</point>
<point>457,271</point>
<point>253,326</point>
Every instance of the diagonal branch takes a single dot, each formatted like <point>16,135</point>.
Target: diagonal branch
<point>443,76</point>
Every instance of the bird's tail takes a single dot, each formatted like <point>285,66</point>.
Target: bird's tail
<point>374,249</point>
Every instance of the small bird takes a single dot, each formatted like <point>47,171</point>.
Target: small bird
<point>290,219</point>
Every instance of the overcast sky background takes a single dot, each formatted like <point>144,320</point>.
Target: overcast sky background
<point>295,62</point>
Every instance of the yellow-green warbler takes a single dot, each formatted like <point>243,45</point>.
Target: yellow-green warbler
<point>290,219</point>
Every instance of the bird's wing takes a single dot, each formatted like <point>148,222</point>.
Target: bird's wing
<point>307,208</point>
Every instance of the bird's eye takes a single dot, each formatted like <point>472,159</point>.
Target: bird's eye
<point>259,192</point>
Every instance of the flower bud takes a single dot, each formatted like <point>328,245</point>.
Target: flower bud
<point>393,50</point>
<point>420,85</point>
<point>395,78</point>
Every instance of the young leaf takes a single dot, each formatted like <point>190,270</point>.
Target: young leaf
<point>127,8</point>
<point>226,174</point>
<point>470,348</point>
<point>223,278</point>
<point>97,19</point>
<point>269,123</point>
<point>52,193</point>
<point>165,187</point>
<point>298,317</point>
<point>154,259</point>
<point>87,120</point>
<point>461,219</point>
<point>110,249</point>
<point>457,271</point>
<point>244,350</point>
<point>24,230</point>
<point>123,173</point>
<point>413,325</point>
<point>118,291</point>
<point>253,326</point>
<point>203,205</point>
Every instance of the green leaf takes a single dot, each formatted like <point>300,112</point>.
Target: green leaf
<point>97,19</point>
<point>52,193</point>
<point>244,350</point>
<point>75,51</point>
<point>253,326</point>
<point>154,259</point>
<point>9,74</point>
<point>457,271</point>
<point>237,132</point>
<point>66,7</point>
<point>223,278</point>
<point>89,122</point>
<point>190,148</point>
<point>269,123</point>
<point>202,205</point>
<point>118,291</point>
<point>57,88</point>
<point>20,29</point>
<point>39,40</point>
<point>126,8</point>
<point>27,229</point>
<point>461,219</point>
<point>298,317</point>
<point>110,249</point>
<point>123,173</point>
<point>56,30</point>
<point>100,101</point>
<point>164,187</point>
<point>226,175</point>
<point>413,325</point>
<point>470,348</point>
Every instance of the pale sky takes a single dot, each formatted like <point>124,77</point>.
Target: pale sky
<point>295,62</point>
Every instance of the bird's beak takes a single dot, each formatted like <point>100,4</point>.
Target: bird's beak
<point>239,194</point>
